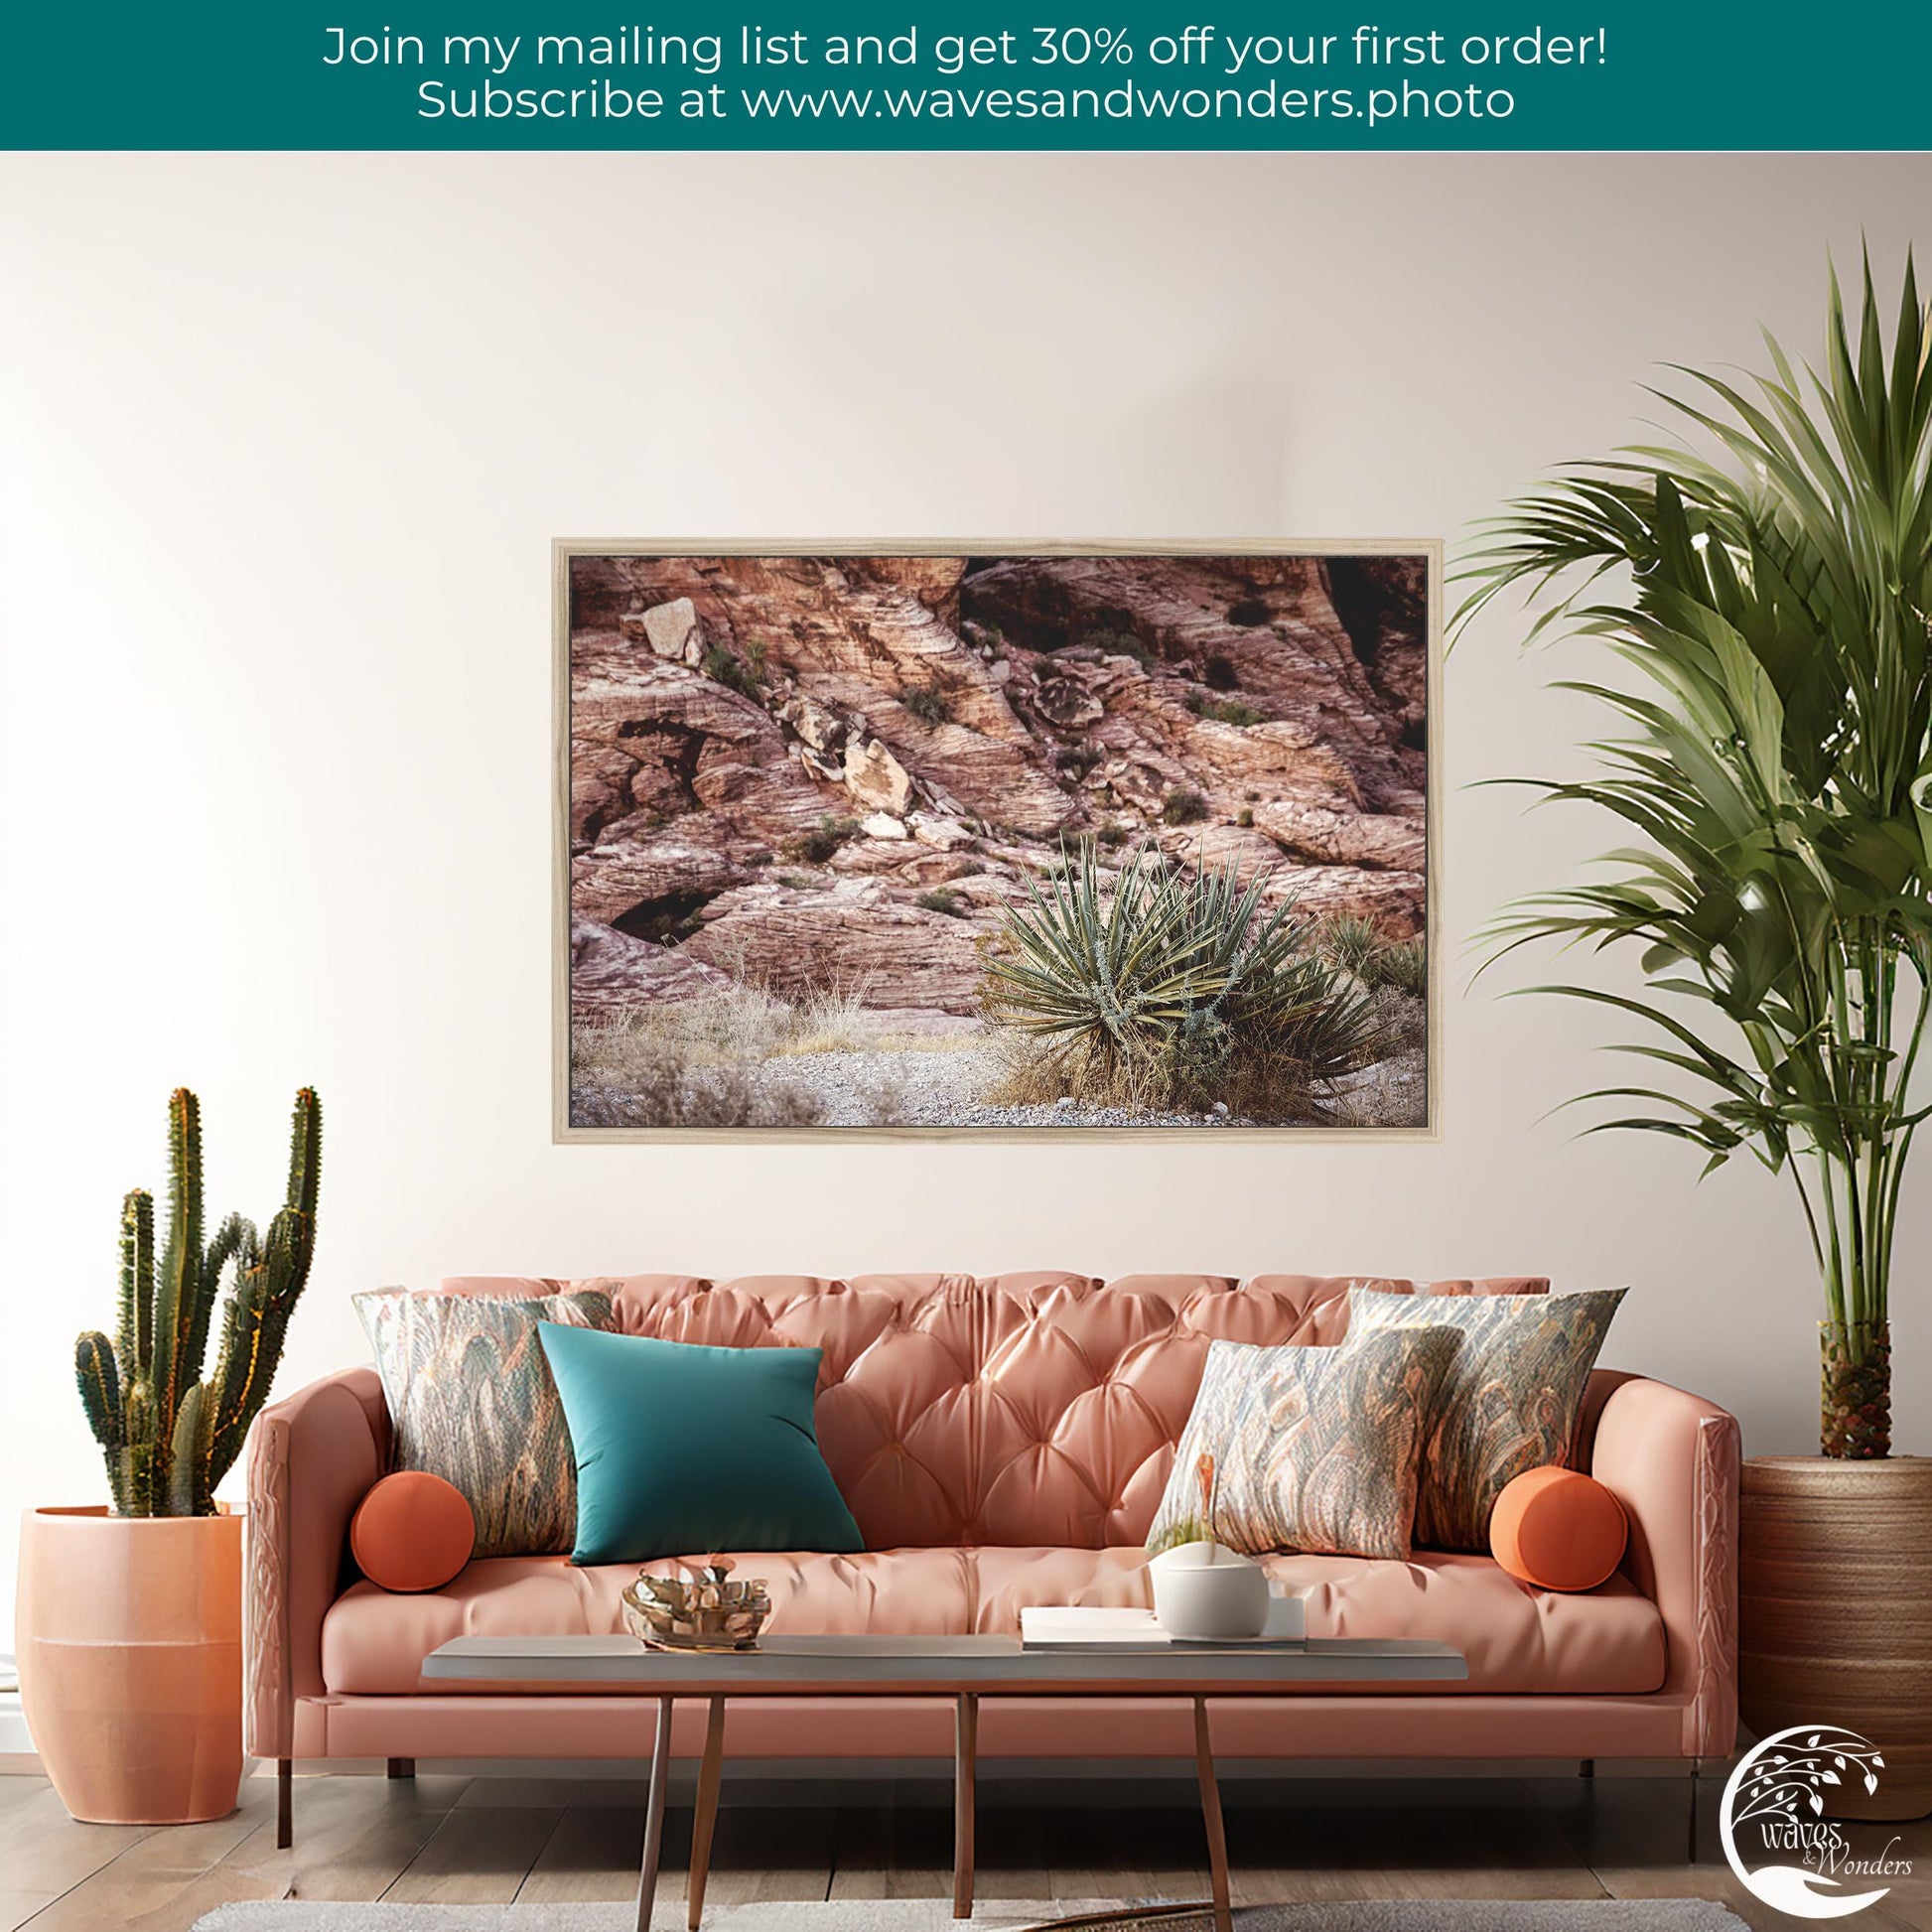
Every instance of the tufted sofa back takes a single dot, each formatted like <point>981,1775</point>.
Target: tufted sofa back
<point>1026,1409</point>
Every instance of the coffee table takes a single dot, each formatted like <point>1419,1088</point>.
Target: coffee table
<point>962,1669</point>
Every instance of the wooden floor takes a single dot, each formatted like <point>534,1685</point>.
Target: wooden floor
<point>498,1839</point>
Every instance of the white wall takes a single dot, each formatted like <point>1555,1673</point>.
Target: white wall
<point>283,442</point>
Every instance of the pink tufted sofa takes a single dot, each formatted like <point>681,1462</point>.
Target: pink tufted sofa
<point>1003,1442</point>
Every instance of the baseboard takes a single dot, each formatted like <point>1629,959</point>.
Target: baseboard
<point>815,1775</point>
<point>776,1777</point>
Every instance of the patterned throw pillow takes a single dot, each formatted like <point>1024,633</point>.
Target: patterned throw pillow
<point>471,1399</point>
<point>1314,1448</point>
<point>1510,1401</point>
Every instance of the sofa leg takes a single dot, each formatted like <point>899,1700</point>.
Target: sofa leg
<point>1691,1847</point>
<point>284,1804</point>
<point>1586,1767</point>
<point>402,1767</point>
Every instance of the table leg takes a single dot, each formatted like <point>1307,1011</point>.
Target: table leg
<point>705,1820</point>
<point>1210,1805</point>
<point>660,1776</point>
<point>966,1728</point>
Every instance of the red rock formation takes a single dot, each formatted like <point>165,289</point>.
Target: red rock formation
<point>610,973</point>
<point>856,936</point>
<point>733,719</point>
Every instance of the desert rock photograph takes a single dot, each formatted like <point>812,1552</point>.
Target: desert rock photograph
<point>985,842</point>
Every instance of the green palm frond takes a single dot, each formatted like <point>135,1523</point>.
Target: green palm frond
<point>1767,584</point>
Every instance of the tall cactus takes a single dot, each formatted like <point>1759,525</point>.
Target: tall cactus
<point>169,1435</point>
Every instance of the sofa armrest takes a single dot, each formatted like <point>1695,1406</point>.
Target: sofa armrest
<point>311,1460</point>
<point>1672,1461</point>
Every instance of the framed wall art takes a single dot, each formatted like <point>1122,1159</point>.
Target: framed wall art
<point>993,840</point>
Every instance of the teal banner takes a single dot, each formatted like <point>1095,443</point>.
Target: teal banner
<point>982,74</point>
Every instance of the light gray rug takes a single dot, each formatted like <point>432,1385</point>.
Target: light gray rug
<point>936,1915</point>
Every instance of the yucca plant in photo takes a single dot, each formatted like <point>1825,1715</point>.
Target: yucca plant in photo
<point>1403,965</point>
<point>1171,988</point>
<point>1349,942</point>
<point>1768,585</point>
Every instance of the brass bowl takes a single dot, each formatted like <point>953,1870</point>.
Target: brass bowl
<point>707,1611</point>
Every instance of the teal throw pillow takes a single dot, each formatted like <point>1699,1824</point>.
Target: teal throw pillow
<point>683,1449</point>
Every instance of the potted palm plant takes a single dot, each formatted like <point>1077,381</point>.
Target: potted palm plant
<point>1769,587</point>
<point>131,1618</point>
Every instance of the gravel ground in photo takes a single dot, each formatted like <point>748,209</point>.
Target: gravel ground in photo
<point>937,1089</point>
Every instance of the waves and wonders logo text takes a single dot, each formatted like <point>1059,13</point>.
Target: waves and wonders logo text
<point>1782,1848</point>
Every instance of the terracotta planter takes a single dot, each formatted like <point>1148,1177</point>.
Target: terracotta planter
<point>1835,1617</point>
<point>130,1662</point>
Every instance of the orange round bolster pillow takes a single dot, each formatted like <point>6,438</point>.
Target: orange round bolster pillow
<point>1558,1529</point>
<point>413,1531</point>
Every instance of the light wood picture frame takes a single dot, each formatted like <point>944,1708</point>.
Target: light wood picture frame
<point>806,790</point>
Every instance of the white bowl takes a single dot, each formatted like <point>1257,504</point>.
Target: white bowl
<point>1205,1593</point>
